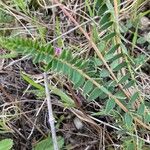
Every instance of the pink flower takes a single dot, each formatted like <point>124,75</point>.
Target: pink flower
<point>58,51</point>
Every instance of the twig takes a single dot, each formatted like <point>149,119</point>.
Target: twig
<point>76,27</point>
<point>50,113</point>
<point>16,61</point>
<point>12,100</point>
<point>36,119</point>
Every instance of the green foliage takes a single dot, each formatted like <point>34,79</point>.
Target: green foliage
<point>141,109</point>
<point>21,5</point>
<point>11,55</point>
<point>6,144</point>
<point>64,63</point>
<point>75,68</point>
<point>110,105</point>
<point>91,75</point>
<point>129,145</point>
<point>47,144</point>
<point>128,120</point>
<point>66,100</point>
<point>5,17</point>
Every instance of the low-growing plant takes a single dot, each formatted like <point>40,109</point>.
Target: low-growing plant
<point>107,76</point>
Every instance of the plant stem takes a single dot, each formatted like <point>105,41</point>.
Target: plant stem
<point>50,113</point>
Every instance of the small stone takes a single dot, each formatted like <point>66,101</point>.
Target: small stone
<point>145,22</point>
<point>78,123</point>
